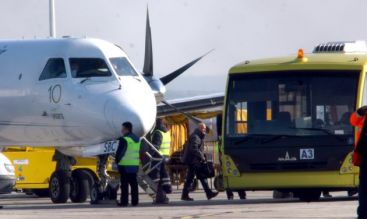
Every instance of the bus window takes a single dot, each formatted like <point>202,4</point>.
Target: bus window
<point>291,103</point>
<point>241,118</point>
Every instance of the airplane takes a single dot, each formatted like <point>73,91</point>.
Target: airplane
<point>73,94</point>
<point>7,175</point>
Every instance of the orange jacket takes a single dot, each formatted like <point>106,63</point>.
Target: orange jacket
<point>357,121</point>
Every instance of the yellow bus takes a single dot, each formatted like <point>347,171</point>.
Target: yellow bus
<point>286,121</point>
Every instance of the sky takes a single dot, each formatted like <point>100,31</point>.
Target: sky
<point>182,30</point>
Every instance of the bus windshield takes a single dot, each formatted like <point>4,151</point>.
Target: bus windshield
<point>296,103</point>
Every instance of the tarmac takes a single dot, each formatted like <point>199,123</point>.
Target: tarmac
<point>259,204</point>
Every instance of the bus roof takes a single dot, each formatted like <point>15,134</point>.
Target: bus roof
<point>310,61</point>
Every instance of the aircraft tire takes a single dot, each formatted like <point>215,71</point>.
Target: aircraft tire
<point>59,186</point>
<point>80,187</point>
<point>95,195</point>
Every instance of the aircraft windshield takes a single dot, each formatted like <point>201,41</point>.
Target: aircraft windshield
<point>123,67</point>
<point>300,103</point>
<point>88,67</point>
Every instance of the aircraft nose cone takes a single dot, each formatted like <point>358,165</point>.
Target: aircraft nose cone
<point>140,111</point>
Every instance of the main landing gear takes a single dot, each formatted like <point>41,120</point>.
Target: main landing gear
<point>80,183</point>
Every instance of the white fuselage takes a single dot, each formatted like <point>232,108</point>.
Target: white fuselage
<point>68,111</point>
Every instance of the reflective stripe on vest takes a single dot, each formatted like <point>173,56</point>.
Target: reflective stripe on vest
<point>132,155</point>
<point>166,143</point>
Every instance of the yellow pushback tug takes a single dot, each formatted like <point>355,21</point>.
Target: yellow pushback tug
<point>286,121</point>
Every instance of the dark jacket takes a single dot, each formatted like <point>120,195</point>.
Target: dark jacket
<point>194,149</point>
<point>121,150</point>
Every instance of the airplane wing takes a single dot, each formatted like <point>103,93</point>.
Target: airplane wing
<point>204,103</point>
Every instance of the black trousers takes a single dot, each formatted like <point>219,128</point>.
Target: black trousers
<point>192,171</point>
<point>161,177</point>
<point>241,194</point>
<point>362,190</point>
<point>128,179</point>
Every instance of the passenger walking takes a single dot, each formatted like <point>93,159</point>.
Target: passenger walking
<point>128,160</point>
<point>161,139</point>
<point>358,120</point>
<point>194,158</point>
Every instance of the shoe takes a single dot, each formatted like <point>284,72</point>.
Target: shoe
<point>230,197</point>
<point>212,195</point>
<point>187,198</point>
<point>135,204</point>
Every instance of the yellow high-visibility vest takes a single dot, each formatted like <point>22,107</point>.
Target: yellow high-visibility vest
<point>165,147</point>
<point>132,155</point>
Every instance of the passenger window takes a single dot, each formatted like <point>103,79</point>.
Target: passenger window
<point>55,68</point>
<point>88,67</point>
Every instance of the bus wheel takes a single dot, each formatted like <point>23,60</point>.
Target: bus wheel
<point>59,186</point>
<point>79,186</point>
<point>309,195</point>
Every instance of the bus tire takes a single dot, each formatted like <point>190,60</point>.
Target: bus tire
<point>59,186</point>
<point>42,193</point>
<point>80,186</point>
<point>309,195</point>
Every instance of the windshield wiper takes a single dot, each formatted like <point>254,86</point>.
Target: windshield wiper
<point>276,137</point>
<point>84,80</point>
<point>326,131</point>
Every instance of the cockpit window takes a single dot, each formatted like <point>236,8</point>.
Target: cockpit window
<point>55,68</point>
<point>88,67</point>
<point>123,67</point>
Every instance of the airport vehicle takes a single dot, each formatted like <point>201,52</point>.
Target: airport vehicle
<point>286,121</point>
<point>74,93</point>
<point>7,176</point>
<point>30,160</point>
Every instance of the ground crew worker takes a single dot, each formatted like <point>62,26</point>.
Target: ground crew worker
<point>161,139</point>
<point>128,160</point>
<point>357,119</point>
<point>193,157</point>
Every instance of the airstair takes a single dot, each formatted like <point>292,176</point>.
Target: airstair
<point>149,164</point>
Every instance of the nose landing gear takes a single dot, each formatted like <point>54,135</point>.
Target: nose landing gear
<point>106,188</point>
